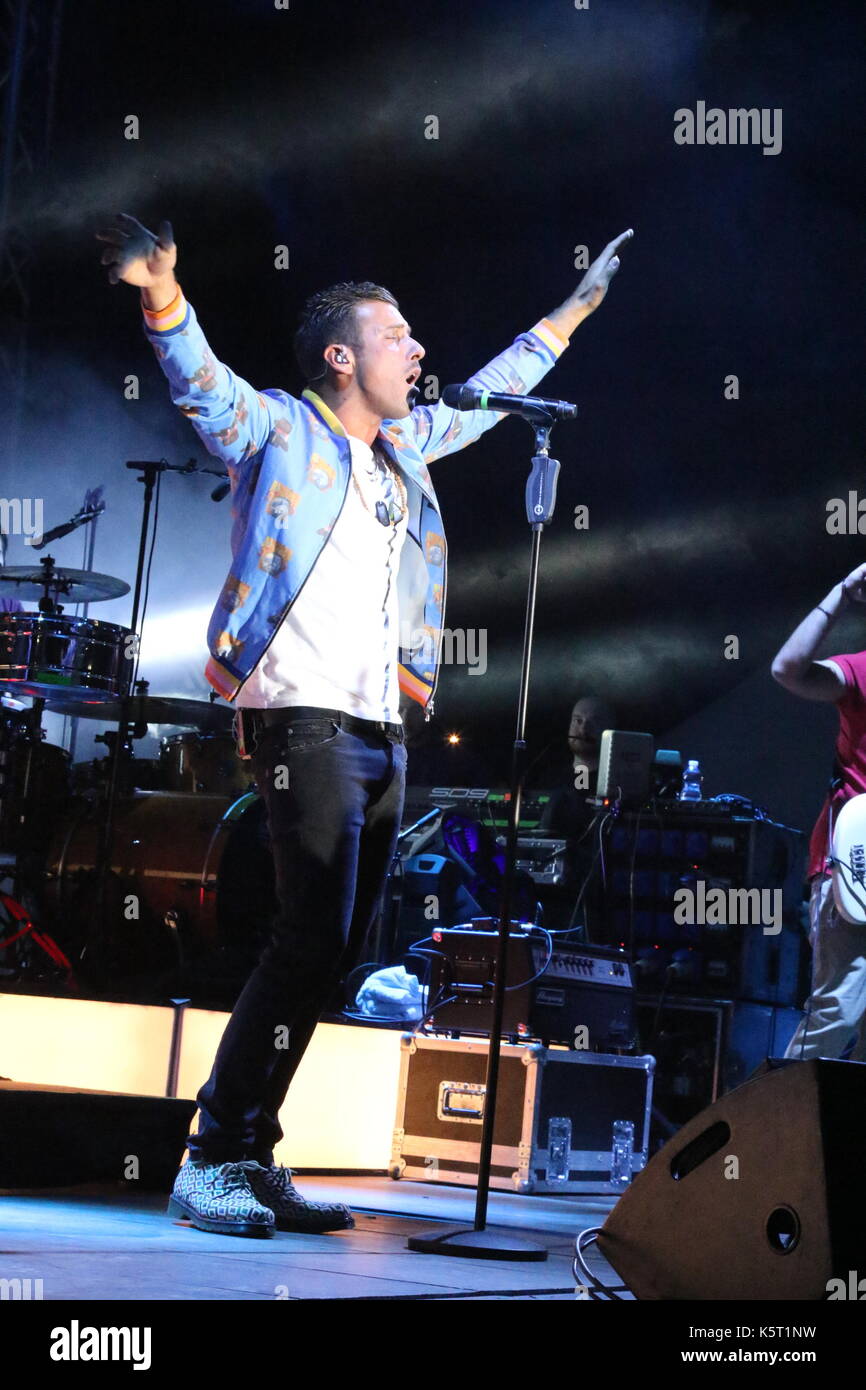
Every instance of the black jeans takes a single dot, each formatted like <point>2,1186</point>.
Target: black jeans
<point>334,800</point>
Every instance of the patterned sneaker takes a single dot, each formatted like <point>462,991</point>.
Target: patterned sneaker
<point>217,1197</point>
<point>274,1188</point>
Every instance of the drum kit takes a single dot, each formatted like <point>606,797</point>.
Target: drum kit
<point>184,872</point>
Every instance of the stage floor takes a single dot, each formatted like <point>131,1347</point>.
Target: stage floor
<point>98,1244</point>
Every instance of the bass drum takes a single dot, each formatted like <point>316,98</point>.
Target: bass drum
<point>189,899</point>
<point>34,789</point>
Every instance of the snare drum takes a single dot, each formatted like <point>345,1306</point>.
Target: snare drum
<point>56,657</point>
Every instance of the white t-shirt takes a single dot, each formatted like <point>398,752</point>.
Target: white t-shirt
<point>337,647</point>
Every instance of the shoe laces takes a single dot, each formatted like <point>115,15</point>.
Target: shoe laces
<point>278,1176</point>
<point>274,1169</point>
<point>234,1176</point>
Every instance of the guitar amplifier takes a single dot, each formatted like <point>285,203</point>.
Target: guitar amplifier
<point>579,995</point>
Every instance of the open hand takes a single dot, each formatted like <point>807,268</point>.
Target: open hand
<point>135,255</point>
<point>854,587</point>
<point>593,287</point>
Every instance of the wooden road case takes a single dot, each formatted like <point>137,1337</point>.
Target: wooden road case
<point>440,1109</point>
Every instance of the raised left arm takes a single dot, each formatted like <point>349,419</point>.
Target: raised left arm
<point>592,288</point>
<point>440,430</point>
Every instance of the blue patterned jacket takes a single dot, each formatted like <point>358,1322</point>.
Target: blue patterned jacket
<point>289,463</point>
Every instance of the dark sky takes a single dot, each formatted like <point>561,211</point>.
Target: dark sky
<point>306,127</point>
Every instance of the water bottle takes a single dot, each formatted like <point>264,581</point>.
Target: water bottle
<point>558,1148</point>
<point>692,779</point>
<point>621,1151</point>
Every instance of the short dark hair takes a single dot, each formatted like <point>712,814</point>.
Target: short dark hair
<point>329,316</point>
<point>608,707</point>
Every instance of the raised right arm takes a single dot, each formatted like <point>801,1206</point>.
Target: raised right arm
<point>232,420</point>
<point>794,665</point>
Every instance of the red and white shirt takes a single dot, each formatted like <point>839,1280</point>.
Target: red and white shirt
<point>850,753</point>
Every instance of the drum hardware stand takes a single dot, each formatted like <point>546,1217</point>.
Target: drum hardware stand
<point>178,1006</point>
<point>45,584</point>
<point>33,721</point>
<point>46,604</point>
<point>149,471</point>
<point>480,1242</point>
<point>134,729</point>
<point>29,732</point>
<point>91,510</point>
<point>33,726</point>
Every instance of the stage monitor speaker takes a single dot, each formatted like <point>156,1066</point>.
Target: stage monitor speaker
<point>58,1136</point>
<point>758,1197</point>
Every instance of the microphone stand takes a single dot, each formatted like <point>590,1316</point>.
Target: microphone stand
<point>482,1243</point>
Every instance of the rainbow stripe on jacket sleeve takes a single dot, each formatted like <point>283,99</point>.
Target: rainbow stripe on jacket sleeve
<point>171,319</point>
<point>550,336</point>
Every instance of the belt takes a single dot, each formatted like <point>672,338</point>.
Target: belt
<point>350,722</point>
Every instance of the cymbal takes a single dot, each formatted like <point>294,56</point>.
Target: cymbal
<point>151,709</point>
<point>81,586</point>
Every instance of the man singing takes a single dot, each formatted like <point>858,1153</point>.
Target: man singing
<point>835,1008</point>
<point>332,607</point>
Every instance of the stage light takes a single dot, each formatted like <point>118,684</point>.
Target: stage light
<point>171,637</point>
<point>684,541</point>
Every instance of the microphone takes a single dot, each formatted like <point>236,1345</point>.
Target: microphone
<point>220,492</point>
<point>467,397</point>
<point>80,519</point>
<point>54,534</point>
